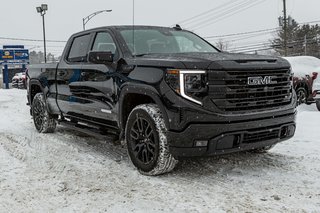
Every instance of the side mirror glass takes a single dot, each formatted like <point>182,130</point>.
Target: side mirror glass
<point>100,57</point>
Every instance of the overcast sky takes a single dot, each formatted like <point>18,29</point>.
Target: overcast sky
<point>64,17</point>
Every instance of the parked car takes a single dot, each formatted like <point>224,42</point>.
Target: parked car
<point>316,92</point>
<point>305,70</point>
<point>19,80</point>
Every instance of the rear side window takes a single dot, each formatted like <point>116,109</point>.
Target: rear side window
<point>79,49</point>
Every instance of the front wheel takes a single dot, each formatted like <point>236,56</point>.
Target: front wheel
<point>318,104</point>
<point>43,121</point>
<point>147,141</point>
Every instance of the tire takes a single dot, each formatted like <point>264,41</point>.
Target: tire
<point>302,95</point>
<point>147,143</point>
<point>262,150</point>
<point>318,104</point>
<point>43,121</point>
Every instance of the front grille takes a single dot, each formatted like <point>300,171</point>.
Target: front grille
<point>261,136</point>
<point>229,90</point>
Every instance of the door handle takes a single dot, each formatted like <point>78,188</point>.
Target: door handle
<point>61,73</point>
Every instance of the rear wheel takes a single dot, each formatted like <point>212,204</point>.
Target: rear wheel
<point>43,121</point>
<point>147,141</point>
<point>318,104</point>
<point>302,95</point>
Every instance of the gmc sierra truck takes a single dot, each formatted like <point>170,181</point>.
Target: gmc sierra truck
<point>166,92</point>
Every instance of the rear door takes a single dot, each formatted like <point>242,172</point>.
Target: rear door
<point>69,71</point>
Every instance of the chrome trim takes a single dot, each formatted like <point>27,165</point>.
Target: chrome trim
<point>106,111</point>
<point>182,90</point>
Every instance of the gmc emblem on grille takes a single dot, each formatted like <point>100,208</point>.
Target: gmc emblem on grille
<point>261,81</point>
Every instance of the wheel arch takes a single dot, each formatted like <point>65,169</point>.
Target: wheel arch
<point>304,85</point>
<point>134,95</point>
<point>34,88</point>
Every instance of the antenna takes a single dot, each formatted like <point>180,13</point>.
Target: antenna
<point>133,42</point>
<point>177,27</point>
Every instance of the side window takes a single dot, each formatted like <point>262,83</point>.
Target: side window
<point>104,42</point>
<point>79,49</point>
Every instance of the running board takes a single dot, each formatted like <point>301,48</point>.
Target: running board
<point>90,130</point>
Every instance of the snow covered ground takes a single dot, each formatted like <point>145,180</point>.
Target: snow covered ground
<point>70,172</point>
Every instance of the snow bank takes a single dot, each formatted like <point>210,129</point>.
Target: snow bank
<point>304,65</point>
<point>70,172</point>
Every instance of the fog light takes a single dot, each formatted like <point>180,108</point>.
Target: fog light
<point>287,131</point>
<point>201,143</point>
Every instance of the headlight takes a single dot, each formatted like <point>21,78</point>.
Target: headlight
<point>190,84</point>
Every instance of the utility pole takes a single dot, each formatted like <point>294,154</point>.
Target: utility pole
<point>305,44</point>
<point>285,28</point>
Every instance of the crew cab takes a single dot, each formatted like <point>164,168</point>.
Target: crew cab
<point>166,92</point>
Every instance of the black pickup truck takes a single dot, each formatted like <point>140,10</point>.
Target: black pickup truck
<point>166,92</point>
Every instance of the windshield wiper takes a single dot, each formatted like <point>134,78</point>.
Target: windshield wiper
<point>142,54</point>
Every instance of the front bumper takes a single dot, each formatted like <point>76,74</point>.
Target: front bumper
<point>231,137</point>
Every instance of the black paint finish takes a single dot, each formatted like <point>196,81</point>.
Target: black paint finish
<point>97,94</point>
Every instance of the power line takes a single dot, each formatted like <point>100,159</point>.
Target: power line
<point>217,14</point>
<point>228,14</point>
<point>219,11</point>
<point>247,51</point>
<point>204,13</point>
<point>243,33</point>
<point>255,47</point>
<point>253,32</point>
<point>26,39</point>
<point>310,22</point>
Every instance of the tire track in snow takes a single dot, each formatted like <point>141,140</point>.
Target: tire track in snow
<point>50,153</point>
<point>15,146</point>
<point>106,149</point>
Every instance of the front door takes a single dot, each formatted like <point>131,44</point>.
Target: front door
<point>91,89</point>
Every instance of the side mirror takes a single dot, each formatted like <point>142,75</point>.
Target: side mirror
<point>99,57</point>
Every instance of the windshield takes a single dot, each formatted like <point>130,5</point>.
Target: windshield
<point>168,41</point>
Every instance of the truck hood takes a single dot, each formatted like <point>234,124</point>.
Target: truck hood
<point>211,61</point>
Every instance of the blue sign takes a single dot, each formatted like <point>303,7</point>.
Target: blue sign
<point>6,55</point>
<point>13,46</point>
<point>14,55</point>
<point>21,54</point>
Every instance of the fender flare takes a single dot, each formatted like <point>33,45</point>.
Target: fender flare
<point>43,89</point>
<point>146,90</point>
<point>31,83</point>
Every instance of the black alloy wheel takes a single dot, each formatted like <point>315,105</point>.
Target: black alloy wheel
<point>43,121</point>
<point>146,137</point>
<point>38,114</point>
<point>144,144</point>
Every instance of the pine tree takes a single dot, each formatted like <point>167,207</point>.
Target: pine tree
<point>301,40</point>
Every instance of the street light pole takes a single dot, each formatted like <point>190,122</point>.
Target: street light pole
<point>285,28</point>
<point>44,40</point>
<point>89,17</point>
<point>42,10</point>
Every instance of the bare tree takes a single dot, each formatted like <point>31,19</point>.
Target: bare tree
<point>222,45</point>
